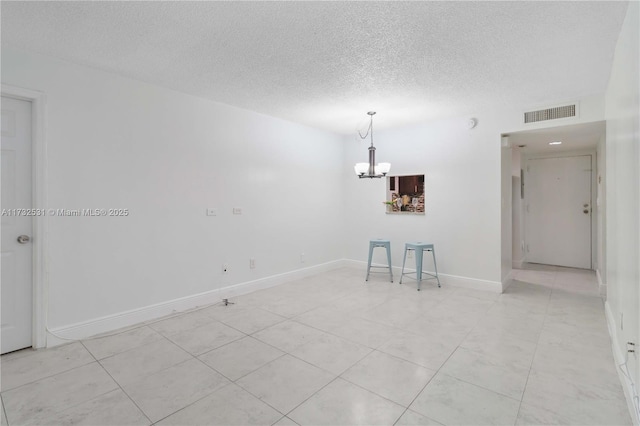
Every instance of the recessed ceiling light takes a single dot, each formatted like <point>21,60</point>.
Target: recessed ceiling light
<point>555,143</point>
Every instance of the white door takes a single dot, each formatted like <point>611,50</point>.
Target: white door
<point>16,222</point>
<point>558,211</point>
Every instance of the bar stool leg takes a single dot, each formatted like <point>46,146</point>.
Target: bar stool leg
<point>419,255</point>
<point>435,267</point>
<point>403,262</point>
<point>369,263</point>
<point>389,261</point>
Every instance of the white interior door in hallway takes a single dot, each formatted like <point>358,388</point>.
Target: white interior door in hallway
<point>558,211</point>
<point>16,225</point>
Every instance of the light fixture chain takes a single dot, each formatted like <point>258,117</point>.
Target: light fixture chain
<point>368,130</point>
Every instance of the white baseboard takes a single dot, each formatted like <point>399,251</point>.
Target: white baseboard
<point>60,335</point>
<point>454,280</point>
<point>105,324</point>
<point>602,287</point>
<point>618,356</point>
<point>473,283</point>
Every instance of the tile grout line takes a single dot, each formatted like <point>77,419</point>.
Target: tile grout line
<point>524,390</point>
<point>427,384</point>
<point>256,396</point>
<point>464,381</point>
<point>193,357</point>
<point>312,365</point>
<point>229,379</point>
<point>194,402</point>
<point>411,362</point>
<point>436,371</point>
<point>4,410</point>
<point>117,383</point>
<point>312,395</point>
<point>50,375</point>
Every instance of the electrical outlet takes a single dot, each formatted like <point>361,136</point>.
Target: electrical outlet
<point>252,263</point>
<point>225,268</point>
<point>301,257</point>
<point>410,254</point>
<point>237,210</point>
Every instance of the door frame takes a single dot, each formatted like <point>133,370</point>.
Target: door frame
<point>40,279</point>
<point>593,220</point>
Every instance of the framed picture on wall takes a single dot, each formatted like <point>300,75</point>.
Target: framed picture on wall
<point>405,194</point>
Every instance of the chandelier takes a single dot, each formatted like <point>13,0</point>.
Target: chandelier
<point>371,169</point>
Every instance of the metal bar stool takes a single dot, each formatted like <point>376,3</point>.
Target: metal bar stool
<point>419,248</point>
<point>379,243</point>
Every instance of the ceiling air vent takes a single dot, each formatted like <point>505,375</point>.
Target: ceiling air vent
<point>550,113</point>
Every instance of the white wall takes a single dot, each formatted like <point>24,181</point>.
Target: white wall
<point>601,215</point>
<point>461,169</point>
<point>517,206</point>
<point>506,214</point>
<point>623,191</point>
<point>467,192</point>
<point>166,156</point>
<point>517,224</point>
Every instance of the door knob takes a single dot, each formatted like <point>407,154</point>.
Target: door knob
<point>23,239</point>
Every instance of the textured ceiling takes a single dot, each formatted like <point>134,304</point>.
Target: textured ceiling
<point>324,64</point>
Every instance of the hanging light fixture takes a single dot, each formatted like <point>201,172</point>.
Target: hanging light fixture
<point>371,169</point>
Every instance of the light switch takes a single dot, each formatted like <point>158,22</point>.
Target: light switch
<point>212,212</point>
<point>237,210</point>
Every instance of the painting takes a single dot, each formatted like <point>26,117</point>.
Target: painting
<point>405,194</point>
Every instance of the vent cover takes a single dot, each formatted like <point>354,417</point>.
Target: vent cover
<point>550,113</point>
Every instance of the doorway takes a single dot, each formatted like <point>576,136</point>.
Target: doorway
<point>545,179</point>
<point>558,211</point>
<point>17,283</point>
<point>24,223</point>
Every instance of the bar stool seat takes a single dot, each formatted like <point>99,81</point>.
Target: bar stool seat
<point>419,248</point>
<point>379,243</point>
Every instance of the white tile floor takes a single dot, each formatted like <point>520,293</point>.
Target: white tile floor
<point>334,350</point>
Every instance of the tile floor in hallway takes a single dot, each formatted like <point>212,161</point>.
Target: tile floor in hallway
<point>334,350</point>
